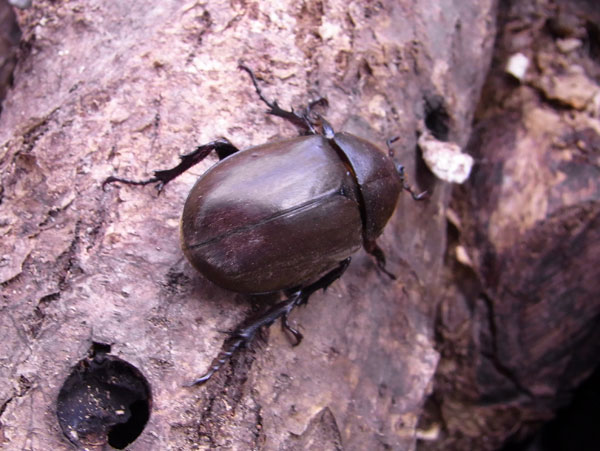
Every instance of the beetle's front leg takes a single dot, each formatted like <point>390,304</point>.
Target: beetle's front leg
<point>246,331</point>
<point>373,249</point>
<point>400,169</point>
<point>406,187</point>
<point>222,146</point>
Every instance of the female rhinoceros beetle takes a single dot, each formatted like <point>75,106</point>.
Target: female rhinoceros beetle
<point>284,216</point>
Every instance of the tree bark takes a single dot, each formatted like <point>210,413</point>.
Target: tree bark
<point>106,88</point>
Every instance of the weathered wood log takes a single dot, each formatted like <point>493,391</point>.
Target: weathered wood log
<point>124,87</point>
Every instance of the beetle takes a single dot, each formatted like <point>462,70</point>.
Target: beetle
<point>285,216</point>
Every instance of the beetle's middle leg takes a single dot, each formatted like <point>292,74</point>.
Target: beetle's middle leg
<point>246,331</point>
<point>222,147</point>
<point>301,120</point>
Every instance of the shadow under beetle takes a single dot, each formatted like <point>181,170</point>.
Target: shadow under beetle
<point>284,216</point>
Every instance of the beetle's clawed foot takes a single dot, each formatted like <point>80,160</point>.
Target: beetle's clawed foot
<point>421,196</point>
<point>229,348</point>
<point>384,270</point>
<point>294,332</point>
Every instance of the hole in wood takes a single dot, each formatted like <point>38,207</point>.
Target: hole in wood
<point>105,400</point>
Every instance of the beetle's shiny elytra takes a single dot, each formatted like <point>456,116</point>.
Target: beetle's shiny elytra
<point>284,216</point>
<point>280,215</point>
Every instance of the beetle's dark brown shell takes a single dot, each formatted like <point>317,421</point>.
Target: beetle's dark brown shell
<point>273,217</point>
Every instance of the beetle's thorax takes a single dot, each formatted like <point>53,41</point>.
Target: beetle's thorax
<point>377,179</point>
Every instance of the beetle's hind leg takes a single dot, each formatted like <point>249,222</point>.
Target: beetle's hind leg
<point>222,147</point>
<point>246,331</point>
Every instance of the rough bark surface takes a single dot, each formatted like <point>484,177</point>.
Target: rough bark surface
<point>124,87</point>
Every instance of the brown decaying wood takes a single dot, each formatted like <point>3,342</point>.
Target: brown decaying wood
<point>518,328</point>
<point>124,87</point>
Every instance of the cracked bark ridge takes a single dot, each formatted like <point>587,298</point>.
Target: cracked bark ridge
<point>107,88</point>
<point>518,330</point>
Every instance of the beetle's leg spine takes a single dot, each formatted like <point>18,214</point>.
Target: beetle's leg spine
<point>113,179</point>
<point>299,120</point>
<point>219,361</point>
<point>245,333</point>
